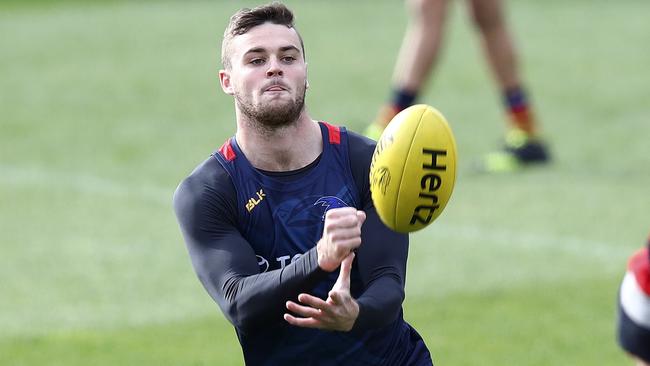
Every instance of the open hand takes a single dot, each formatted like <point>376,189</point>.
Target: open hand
<point>338,312</point>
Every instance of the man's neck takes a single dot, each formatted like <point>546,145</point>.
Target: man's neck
<point>285,148</point>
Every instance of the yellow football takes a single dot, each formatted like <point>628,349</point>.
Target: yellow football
<point>413,169</point>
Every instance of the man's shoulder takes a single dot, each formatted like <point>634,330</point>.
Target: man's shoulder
<point>207,171</point>
<point>360,150</point>
<point>208,178</point>
<point>207,195</point>
<point>360,146</point>
<point>361,139</point>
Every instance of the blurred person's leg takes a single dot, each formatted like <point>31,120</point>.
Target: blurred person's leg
<point>489,18</point>
<point>522,145</point>
<point>417,57</point>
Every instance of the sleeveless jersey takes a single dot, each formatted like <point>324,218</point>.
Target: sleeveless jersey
<point>282,218</point>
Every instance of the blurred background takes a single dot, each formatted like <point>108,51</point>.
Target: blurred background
<point>105,106</point>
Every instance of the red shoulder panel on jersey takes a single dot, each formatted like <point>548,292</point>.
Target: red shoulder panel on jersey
<point>334,132</point>
<point>227,152</point>
<point>639,265</point>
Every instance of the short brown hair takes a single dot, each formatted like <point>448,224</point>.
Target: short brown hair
<point>246,19</point>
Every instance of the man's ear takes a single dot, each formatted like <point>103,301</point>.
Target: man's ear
<point>306,80</point>
<point>226,84</point>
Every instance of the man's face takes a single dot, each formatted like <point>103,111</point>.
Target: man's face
<point>268,76</point>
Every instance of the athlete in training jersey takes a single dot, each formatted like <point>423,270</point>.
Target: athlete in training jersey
<point>279,222</point>
<point>268,224</point>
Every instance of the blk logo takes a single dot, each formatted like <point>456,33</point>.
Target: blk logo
<point>255,200</point>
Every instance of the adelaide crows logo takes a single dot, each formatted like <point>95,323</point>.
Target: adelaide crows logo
<point>380,179</point>
<point>329,202</point>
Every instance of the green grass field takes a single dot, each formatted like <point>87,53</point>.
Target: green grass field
<point>105,107</point>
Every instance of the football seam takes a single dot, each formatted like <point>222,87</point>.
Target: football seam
<point>401,178</point>
<point>453,148</point>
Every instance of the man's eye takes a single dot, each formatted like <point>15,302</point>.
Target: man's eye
<point>288,59</point>
<point>257,61</point>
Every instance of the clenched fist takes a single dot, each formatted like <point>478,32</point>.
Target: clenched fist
<point>341,235</point>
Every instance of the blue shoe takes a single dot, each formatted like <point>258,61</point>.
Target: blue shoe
<point>520,150</point>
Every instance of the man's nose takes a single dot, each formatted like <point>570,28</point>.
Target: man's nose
<point>275,69</point>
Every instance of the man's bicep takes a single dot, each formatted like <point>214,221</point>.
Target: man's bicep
<point>217,250</point>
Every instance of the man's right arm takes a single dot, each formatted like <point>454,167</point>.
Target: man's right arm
<point>225,262</point>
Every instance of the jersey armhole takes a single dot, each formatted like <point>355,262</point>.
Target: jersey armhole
<point>360,160</point>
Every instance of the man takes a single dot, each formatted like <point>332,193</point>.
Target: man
<point>633,322</point>
<point>418,55</point>
<point>279,223</point>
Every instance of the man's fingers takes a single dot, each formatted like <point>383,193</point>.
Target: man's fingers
<point>341,235</point>
<point>343,281</point>
<point>336,297</point>
<point>313,301</point>
<point>347,245</point>
<point>361,216</point>
<point>303,322</point>
<point>345,217</point>
<point>350,233</point>
<point>339,212</point>
<point>342,223</point>
<point>303,311</point>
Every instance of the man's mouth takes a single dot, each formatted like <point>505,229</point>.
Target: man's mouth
<point>275,87</point>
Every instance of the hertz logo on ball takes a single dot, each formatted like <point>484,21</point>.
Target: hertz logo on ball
<point>413,169</point>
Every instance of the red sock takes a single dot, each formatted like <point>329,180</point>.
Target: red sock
<point>521,114</point>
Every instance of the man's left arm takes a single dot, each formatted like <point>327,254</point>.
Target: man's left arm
<point>381,260</point>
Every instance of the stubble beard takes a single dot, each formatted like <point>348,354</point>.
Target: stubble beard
<point>272,116</point>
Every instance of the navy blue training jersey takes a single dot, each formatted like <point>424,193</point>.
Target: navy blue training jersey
<point>282,219</point>
<point>273,223</point>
